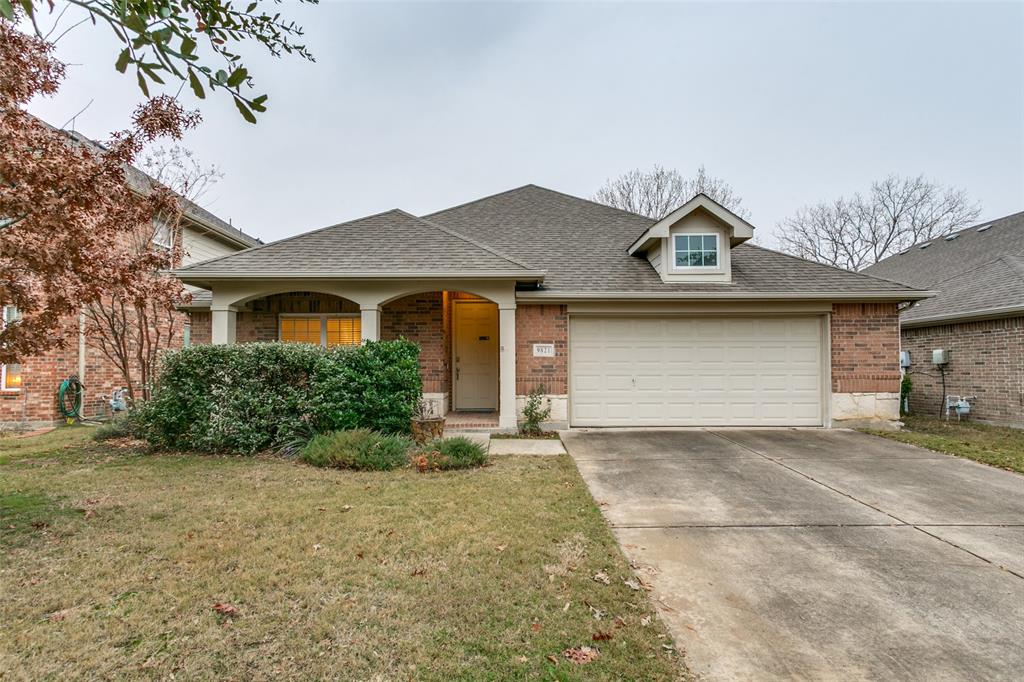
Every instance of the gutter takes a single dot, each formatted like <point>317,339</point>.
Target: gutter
<point>551,296</point>
<point>973,316</point>
<point>221,232</point>
<point>185,275</point>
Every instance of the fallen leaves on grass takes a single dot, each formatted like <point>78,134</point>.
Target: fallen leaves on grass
<point>637,584</point>
<point>58,616</point>
<point>225,609</point>
<point>581,655</point>
<point>571,551</point>
<point>601,636</point>
<point>535,627</point>
<point>602,577</point>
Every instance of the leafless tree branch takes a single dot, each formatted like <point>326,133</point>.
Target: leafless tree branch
<point>896,213</point>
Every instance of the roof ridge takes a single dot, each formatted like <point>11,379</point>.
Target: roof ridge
<point>545,189</point>
<point>832,267</point>
<point>468,240</point>
<point>595,203</point>
<point>282,240</point>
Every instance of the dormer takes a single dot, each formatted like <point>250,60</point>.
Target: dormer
<point>693,243</point>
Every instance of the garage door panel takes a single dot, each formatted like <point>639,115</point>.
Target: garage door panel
<point>695,371</point>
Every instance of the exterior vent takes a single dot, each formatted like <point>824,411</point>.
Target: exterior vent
<point>984,227</point>
<point>925,246</point>
<point>951,237</point>
<point>904,252</point>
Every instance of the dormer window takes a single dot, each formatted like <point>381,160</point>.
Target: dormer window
<point>694,243</point>
<point>696,251</point>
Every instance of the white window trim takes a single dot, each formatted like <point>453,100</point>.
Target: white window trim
<point>166,230</point>
<point>697,268</point>
<point>323,322</point>
<point>3,382</point>
<point>3,368</point>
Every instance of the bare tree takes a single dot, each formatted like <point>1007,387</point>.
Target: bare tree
<point>131,326</point>
<point>177,168</point>
<point>659,191</point>
<point>856,232</point>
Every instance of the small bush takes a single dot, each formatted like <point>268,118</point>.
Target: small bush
<point>906,385</point>
<point>359,449</point>
<point>535,412</point>
<point>121,426</point>
<point>450,453</point>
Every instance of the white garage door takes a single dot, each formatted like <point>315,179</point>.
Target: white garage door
<point>695,371</point>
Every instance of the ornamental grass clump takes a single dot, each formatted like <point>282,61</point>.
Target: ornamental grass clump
<point>358,449</point>
<point>450,453</point>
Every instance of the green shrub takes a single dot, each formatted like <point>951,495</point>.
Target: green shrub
<point>121,426</point>
<point>450,453</point>
<point>359,449</point>
<point>535,412</point>
<point>906,385</point>
<point>249,397</point>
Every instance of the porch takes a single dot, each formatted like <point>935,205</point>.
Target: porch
<point>466,337</point>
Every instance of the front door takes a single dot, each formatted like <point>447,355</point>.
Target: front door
<point>475,351</point>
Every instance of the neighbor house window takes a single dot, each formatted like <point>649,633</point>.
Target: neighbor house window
<point>163,236</point>
<point>322,330</point>
<point>10,375</point>
<point>696,250</point>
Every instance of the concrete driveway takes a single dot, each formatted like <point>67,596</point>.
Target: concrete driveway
<point>813,554</point>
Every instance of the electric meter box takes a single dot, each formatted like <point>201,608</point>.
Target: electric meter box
<point>940,356</point>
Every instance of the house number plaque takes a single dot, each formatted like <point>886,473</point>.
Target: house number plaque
<point>543,350</point>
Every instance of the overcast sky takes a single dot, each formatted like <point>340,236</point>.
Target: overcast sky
<point>422,106</point>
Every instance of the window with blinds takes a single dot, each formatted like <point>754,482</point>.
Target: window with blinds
<point>342,331</point>
<point>321,330</point>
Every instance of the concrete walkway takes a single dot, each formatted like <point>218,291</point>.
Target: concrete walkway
<point>813,554</point>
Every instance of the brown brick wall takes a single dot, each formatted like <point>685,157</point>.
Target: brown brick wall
<point>202,328</point>
<point>865,348</point>
<point>541,324</point>
<point>986,359</point>
<point>421,319</point>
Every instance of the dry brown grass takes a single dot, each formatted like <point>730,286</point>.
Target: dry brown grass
<point>113,559</point>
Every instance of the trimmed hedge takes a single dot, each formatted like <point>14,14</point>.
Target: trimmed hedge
<point>250,397</point>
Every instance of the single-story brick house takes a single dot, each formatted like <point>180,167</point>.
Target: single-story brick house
<point>624,320</point>
<point>977,315</point>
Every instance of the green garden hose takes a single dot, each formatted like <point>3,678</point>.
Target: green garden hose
<point>69,398</point>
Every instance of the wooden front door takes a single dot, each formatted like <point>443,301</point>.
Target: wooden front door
<point>475,354</point>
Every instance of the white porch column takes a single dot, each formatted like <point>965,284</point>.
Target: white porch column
<point>223,325</point>
<point>507,418</point>
<point>369,323</point>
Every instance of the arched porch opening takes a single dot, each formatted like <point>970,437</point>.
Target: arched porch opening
<point>460,360</point>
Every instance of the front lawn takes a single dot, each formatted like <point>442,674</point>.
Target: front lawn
<point>113,560</point>
<point>998,446</point>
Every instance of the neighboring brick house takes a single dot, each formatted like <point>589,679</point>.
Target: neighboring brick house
<point>28,390</point>
<point>977,315</point>
<point>619,319</point>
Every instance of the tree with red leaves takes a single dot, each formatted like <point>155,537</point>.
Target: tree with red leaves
<point>67,213</point>
<point>74,232</point>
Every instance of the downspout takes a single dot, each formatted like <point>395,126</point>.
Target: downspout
<point>81,346</point>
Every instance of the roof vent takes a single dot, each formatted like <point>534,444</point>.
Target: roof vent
<point>925,245</point>
<point>904,252</point>
<point>951,237</point>
<point>984,227</point>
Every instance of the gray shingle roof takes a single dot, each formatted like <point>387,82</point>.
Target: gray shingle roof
<point>389,242</point>
<point>977,273</point>
<point>582,247</point>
